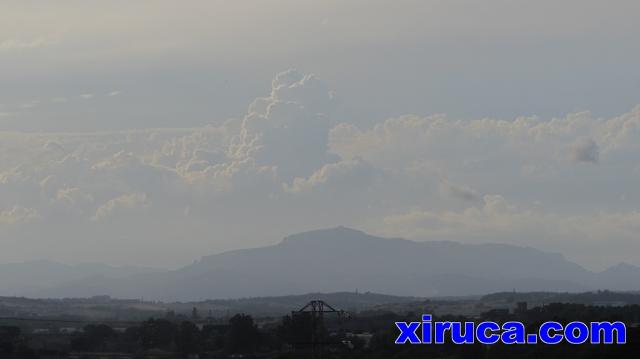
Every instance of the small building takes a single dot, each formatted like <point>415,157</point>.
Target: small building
<point>70,330</point>
<point>521,308</point>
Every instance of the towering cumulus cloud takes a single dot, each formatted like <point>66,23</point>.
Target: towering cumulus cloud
<point>159,196</point>
<point>289,128</point>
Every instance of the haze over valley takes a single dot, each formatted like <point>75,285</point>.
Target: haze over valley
<point>330,260</point>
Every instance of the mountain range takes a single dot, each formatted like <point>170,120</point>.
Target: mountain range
<point>328,260</point>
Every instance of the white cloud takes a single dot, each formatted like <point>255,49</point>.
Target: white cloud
<point>124,205</point>
<point>497,220</point>
<point>75,199</point>
<point>527,140</point>
<point>287,166</point>
<point>18,215</point>
<point>289,128</point>
<point>492,218</point>
<point>238,178</point>
<point>345,176</point>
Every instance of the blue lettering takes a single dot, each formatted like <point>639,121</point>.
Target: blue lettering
<point>408,332</point>
<point>483,328</point>
<point>457,337</point>
<point>545,333</point>
<point>576,333</point>
<point>441,330</point>
<point>607,329</point>
<point>426,329</point>
<point>513,333</point>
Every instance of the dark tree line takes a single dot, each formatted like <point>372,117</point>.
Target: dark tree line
<point>291,337</point>
<point>13,345</point>
<point>240,335</point>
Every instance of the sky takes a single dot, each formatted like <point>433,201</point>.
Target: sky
<point>155,132</point>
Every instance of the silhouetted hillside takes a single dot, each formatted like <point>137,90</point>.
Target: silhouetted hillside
<point>342,259</point>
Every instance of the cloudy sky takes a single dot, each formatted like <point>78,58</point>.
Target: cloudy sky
<point>155,132</point>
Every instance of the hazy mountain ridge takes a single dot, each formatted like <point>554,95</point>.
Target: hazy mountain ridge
<point>29,277</point>
<point>342,259</point>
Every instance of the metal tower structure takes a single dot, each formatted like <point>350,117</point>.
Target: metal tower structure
<point>316,310</point>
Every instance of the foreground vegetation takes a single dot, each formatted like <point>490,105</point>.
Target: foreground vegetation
<point>363,335</point>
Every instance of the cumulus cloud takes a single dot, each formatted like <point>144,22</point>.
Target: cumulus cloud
<point>494,216</point>
<point>75,200</point>
<point>239,178</point>
<point>287,166</point>
<point>348,175</point>
<point>289,129</point>
<point>527,140</point>
<point>18,215</point>
<point>124,205</point>
<point>497,220</point>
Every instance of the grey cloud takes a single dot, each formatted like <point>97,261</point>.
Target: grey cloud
<point>459,192</point>
<point>584,150</point>
<point>53,146</point>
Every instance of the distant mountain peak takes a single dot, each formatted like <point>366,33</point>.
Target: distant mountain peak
<point>622,266</point>
<point>337,259</point>
<point>625,265</point>
<point>340,233</point>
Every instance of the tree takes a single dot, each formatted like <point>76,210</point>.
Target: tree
<point>157,333</point>
<point>9,337</point>
<point>94,337</point>
<point>243,336</point>
<point>297,330</point>
<point>188,338</point>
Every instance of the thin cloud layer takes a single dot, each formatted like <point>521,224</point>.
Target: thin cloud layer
<point>168,196</point>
